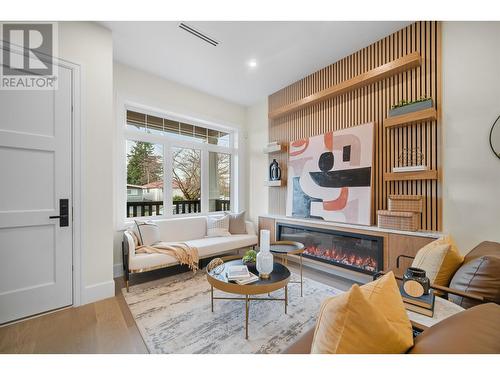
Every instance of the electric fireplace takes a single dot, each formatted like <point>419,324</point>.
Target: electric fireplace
<point>354,251</point>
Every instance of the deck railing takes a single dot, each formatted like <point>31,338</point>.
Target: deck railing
<point>222,205</point>
<point>154,208</point>
<point>186,207</point>
<point>144,208</point>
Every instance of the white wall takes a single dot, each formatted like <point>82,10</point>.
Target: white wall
<point>471,103</point>
<point>257,127</point>
<point>139,87</point>
<point>90,46</point>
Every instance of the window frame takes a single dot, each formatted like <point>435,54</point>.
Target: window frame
<point>168,141</point>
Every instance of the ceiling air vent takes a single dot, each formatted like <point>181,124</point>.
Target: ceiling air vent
<point>198,34</point>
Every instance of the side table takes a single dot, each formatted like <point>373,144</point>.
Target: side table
<point>285,248</point>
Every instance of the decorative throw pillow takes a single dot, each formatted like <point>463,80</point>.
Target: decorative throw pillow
<point>218,226</point>
<point>149,232</point>
<point>351,323</point>
<point>478,276</point>
<point>134,236</point>
<point>237,223</point>
<point>440,259</point>
<point>384,293</point>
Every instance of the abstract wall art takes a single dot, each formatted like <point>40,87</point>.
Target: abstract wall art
<point>330,176</point>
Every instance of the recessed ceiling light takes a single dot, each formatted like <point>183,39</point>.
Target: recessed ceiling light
<point>252,64</point>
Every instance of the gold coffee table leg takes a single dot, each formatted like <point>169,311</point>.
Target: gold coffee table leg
<point>301,281</point>
<point>246,316</point>
<point>212,297</point>
<point>286,298</point>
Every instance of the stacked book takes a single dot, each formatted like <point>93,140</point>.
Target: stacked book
<point>422,305</point>
<point>241,275</point>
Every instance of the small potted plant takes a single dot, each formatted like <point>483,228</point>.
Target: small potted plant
<point>404,107</point>
<point>250,258</point>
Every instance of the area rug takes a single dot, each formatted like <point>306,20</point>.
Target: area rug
<point>173,315</point>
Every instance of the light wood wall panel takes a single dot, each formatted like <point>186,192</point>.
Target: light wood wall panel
<point>371,103</point>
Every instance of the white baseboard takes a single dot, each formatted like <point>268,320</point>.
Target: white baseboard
<point>98,291</point>
<point>117,270</point>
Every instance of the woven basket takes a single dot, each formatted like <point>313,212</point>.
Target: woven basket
<point>409,221</point>
<point>406,203</point>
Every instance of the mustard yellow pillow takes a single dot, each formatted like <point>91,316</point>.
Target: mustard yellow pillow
<point>357,322</point>
<point>440,259</point>
<point>385,295</point>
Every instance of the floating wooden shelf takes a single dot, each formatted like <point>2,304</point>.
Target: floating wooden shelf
<point>274,183</point>
<point>411,176</point>
<point>402,64</point>
<point>428,114</point>
<point>269,149</point>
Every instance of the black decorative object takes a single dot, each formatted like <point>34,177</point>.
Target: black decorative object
<point>274,171</point>
<point>325,162</point>
<point>346,153</point>
<point>495,137</point>
<point>415,282</point>
<point>342,178</point>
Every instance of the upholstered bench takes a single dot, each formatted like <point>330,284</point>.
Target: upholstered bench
<point>191,231</point>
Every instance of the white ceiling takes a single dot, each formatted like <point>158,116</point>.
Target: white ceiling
<point>284,51</point>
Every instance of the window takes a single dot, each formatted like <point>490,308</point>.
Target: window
<point>183,166</point>
<point>144,179</point>
<point>156,125</point>
<point>219,167</point>
<point>186,180</point>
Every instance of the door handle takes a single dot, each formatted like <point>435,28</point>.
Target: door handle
<point>63,213</point>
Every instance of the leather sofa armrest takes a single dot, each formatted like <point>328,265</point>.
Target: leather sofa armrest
<point>302,345</point>
<point>472,331</point>
<point>250,227</point>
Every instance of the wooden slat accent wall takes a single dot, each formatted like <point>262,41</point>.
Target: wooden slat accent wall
<point>371,104</point>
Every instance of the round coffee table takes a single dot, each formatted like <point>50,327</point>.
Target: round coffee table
<point>285,248</point>
<point>278,279</point>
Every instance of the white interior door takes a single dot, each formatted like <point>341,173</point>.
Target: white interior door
<point>35,174</point>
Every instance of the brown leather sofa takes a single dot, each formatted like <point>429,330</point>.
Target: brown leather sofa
<point>474,331</point>
<point>478,275</point>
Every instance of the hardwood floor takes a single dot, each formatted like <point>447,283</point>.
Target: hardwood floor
<point>105,326</point>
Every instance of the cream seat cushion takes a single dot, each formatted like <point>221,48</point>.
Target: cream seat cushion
<point>366,320</point>
<point>215,245</point>
<point>147,261</point>
<point>440,259</point>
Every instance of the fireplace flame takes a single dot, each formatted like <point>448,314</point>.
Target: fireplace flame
<point>342,256</point>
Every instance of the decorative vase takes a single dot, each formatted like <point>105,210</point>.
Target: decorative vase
<point>415,282</point>
<point>265,259</point>
<point>274,171</point>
